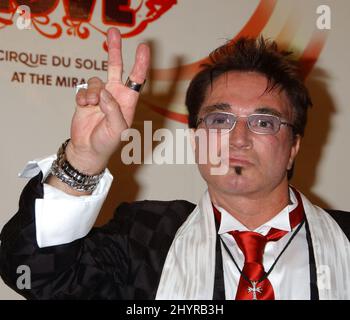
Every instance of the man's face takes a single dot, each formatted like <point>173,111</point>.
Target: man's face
<point>263,159</point>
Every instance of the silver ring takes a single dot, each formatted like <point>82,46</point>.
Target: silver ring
<point>134,85</point>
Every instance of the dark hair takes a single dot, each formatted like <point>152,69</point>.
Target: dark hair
<point>252,55</point>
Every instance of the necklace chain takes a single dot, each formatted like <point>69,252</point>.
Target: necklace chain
<point>254,283</point>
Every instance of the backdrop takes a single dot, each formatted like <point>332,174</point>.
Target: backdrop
<point>47,47</point>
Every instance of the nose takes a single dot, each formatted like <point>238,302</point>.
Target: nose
<point>240,135</point>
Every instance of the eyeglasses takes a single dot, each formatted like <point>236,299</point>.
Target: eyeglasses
<point>257,123</point>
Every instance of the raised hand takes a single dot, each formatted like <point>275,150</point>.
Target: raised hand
<point>104,110</point>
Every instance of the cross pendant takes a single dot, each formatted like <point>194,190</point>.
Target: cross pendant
<point>254,289</point>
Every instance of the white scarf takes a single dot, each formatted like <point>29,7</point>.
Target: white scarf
<point>189,269</point>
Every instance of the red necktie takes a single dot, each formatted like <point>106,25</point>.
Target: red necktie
<point>252,245</point>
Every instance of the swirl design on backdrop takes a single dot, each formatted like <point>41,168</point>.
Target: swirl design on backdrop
<point>76,28</point>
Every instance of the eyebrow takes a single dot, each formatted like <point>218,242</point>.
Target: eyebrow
<point>268,110</point>
<point>227,107</point>
<point>215,107</point>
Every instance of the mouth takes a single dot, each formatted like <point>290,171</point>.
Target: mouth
<point>239,162</point>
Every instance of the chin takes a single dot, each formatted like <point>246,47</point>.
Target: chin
<point>235,185</point>
<point>230,183</point>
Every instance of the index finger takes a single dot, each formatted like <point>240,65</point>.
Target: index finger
<point>115,61</point>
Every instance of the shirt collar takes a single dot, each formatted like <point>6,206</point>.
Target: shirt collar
<point>280,221</point>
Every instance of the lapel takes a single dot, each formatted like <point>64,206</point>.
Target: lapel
<point>219,285</point>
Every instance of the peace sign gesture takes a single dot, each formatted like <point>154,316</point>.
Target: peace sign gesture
<point>104,110</point>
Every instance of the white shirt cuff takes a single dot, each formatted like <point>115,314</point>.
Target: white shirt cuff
<point>62,218</point>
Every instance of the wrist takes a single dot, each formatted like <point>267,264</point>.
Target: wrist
<point>85,161</point>
<point>78,180</point>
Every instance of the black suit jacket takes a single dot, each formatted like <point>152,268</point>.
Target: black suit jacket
<point>121,260</point>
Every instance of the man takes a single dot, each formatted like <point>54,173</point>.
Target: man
<point>251,236</point>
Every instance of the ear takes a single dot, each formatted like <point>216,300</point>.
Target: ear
<point>294,151</point>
